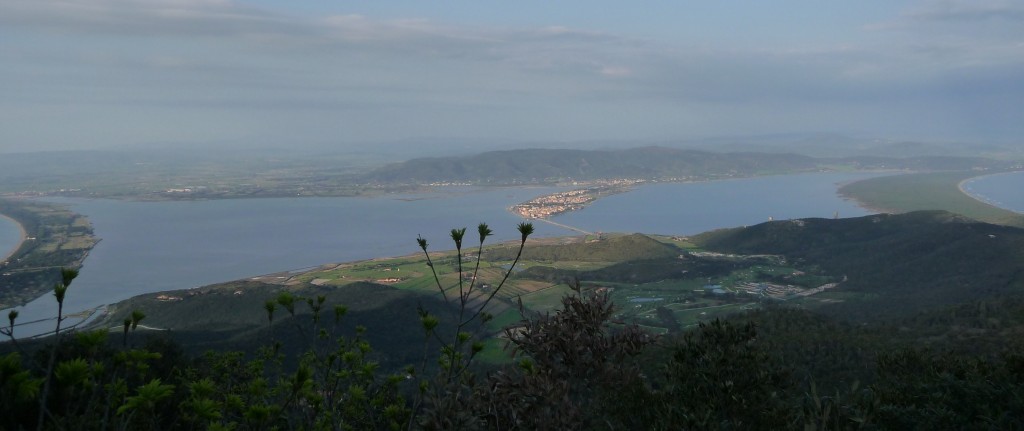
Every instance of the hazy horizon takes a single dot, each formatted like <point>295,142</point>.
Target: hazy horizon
<point>116,74</point>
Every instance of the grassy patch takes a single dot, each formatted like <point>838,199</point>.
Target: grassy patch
<point>509,317</point>
<point>545,300</point>
<point>495,352</point>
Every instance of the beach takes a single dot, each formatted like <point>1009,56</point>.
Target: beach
<point>962,186</point>
<point>8,253</point>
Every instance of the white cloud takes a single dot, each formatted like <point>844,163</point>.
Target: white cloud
<point>233,63</point>
<point>616,71</point>
<point>967,10</point>
<point>144,17</point>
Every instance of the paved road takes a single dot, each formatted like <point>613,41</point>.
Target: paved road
<point>564,226</point>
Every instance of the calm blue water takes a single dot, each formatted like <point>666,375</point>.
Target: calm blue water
<point>10,234</point>
<point>1001,190</point>
<point>698,207</point>
<point>155,246</point>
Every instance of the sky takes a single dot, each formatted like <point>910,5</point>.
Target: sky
<point>96,74</point>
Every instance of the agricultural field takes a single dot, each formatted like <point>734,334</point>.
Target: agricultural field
<point>715,284</point>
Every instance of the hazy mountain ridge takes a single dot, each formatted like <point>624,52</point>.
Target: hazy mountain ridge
<point>921,163</point>
<point>540,165</point>
<point>218,173</point>
<point>548,165</point>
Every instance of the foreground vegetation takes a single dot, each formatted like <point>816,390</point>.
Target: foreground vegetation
<point>952,361</point>
<point>779,368</point>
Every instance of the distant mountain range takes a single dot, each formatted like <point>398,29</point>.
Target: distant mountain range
<point>223,173</point>
<point>538,166</point>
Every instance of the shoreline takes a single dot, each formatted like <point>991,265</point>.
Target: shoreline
<point>601,192</point>
<point>960,186</point>
<point>861,204</point>
<point>21,240</point>
<point>570,231</point>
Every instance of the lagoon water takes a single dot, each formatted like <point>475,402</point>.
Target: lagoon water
<point>698,207</point>
<point>10,235</point>
<point>154,246</point>
<point>1001,190</point>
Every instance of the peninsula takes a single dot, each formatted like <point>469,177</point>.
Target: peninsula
<point>53,237</point>
<point>929,191</point>
<point>572,200</point>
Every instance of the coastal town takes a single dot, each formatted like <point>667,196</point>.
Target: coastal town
<point>572,200</point>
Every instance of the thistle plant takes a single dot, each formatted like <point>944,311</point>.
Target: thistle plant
<point>67,275</point>
<point>12,316</point>
<point>132,322</point>
<point>459,350</point>
<point>9,331</point>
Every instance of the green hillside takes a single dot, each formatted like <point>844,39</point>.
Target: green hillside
<point>232,316</point>
<point>893,264</point>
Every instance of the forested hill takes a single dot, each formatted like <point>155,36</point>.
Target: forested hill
<point>533,166</point>
<point>540,165</point>
<point>895,264</point>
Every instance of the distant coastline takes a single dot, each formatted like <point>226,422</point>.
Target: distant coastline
<point>21,240</point>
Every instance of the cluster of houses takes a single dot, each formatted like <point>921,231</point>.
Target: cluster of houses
<point>549,205</point>
<point>572,200</point>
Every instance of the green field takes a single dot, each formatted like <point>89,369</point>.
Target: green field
<point>648,302</point>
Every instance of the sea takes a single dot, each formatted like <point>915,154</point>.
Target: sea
<point>1002,190</point>
<point>155,246</point>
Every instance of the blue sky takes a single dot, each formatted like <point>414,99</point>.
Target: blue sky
<point>86,74</point>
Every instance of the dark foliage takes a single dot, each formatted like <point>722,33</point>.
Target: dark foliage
<point>573,373</point>
<point>900,263</point>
